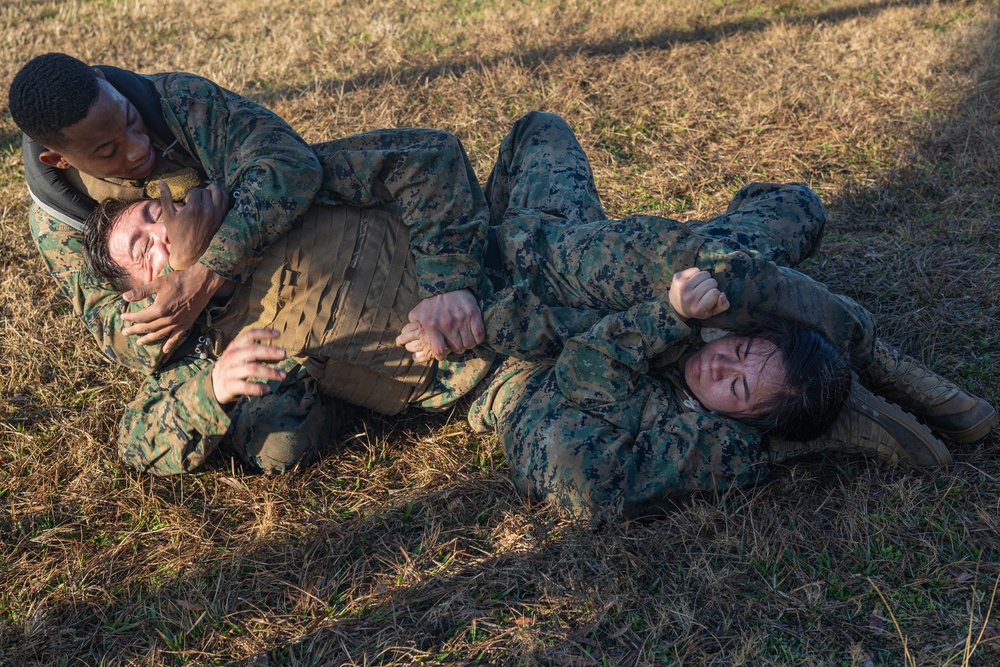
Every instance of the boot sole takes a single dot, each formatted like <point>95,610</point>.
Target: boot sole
<point>971,434</point>
<point>904,427</point>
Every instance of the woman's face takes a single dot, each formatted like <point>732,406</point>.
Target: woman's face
<point>735,375</point>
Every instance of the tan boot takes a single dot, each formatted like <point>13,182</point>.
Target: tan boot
<point>940,403</point>
<point>871,426</point>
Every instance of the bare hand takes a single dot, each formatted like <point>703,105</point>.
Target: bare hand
<point>695,294</point>
<point>448,322</point>
<point>180,298</point>
<point>245,365</point>
<point>413,339</point>
<point>191,227</point>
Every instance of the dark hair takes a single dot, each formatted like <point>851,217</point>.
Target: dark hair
<point>96,232</point>
<point>817,382</point>
<point>50,93</point>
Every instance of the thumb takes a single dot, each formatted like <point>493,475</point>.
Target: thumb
<point>143,291</point>
<point>722,305</point>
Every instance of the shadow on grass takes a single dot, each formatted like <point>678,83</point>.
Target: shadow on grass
<point>617,47</point>
<point>918,245</point>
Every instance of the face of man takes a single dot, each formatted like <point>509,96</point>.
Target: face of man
<point>735,375</point>
<point>138,242</point>
<point>110,142</point>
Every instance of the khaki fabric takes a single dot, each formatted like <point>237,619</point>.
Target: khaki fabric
<point>338,287</point>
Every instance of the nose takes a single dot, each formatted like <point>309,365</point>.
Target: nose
<point>722,366</point>
<point>137,148</point>
<point>158,232</point>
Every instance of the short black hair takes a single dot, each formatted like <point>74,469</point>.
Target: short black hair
<point>50,93</point>
<point>96,232</point>
<point>817,382</point>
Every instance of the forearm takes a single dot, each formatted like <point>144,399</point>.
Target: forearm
<point>427,174</point>
<point>270,172</point>
<point>605,363</point>
<point>174,423</point>
<point>634,454</point>
<point>758,290</point>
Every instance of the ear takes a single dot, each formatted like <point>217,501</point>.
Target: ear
<point>54,159</point>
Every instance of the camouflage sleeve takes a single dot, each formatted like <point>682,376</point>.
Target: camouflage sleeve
<point>758,289</point>
<point>100,307</point>
<point>270,172</point>
<point>604,364</point>
<point>175,422</point>
<point>428,175</point>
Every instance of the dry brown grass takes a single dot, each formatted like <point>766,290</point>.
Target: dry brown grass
<point>406,544</point>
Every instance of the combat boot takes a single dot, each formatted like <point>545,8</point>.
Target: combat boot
<point>940,403</point>
<point>874,427</point>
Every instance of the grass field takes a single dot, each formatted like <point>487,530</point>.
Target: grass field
<point>406,544</point>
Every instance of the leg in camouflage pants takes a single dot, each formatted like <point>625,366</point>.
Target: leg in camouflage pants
<point>624,455</point>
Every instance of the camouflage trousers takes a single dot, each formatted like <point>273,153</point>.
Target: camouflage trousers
<point>562,268</point>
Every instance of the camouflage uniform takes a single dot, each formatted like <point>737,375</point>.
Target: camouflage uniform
<point>237,144</point>
<point>597,427</point>
<point>273,176</point>
<point>609,424</point>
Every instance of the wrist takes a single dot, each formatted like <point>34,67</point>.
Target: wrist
<point>206,277</point>
<point>214,392</point>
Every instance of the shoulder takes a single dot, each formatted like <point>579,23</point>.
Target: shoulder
<point>183,85</point>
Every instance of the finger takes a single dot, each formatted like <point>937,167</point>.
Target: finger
<point>247,388</point>
<point>172,342</point>
<point>143,323</point>
<point>453,340</point>
<point>685,275</point>
<point>264,372</point>
<point>468,340</point>
<point>194,197</point>
<point>478,328</point>
<point>157,335</point>
<point>257,335</point>
<point>248,339</point>
<point>699,287</point>
<point>166,204</point>
<point>435,344</point>
<point>707,300</point>
<point>140,293</point>
<point>148,324</point>
<point>218,196</point>
<point>150,316</point>
<point>419,345</point>
<point>260,353</point>
<point>723,304</point>
<point>413,326</point>
<point>246,352</point>
<point>701,282</point>
<point>411,332</point>
<point>421,357</point>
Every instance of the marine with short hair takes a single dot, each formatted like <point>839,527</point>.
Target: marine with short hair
<point>92,133</point>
